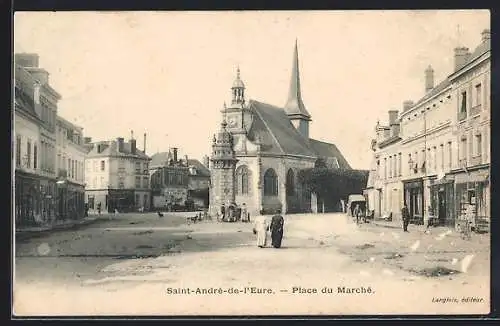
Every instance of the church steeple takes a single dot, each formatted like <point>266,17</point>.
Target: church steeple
<point>294,106</point>
<point>238,90</point>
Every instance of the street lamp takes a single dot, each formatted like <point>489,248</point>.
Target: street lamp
<point>410,164</point>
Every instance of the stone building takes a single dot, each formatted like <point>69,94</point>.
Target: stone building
<point>443,151</point>
<point>384,187</point>
<point>260,148</point>
<point>471,87</point>
<point>117,175</point>
<point>169,180</point>
<point>70,164</point>
<point>35,107</point>
<point>199,183</point>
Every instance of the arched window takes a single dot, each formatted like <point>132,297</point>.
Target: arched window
<point>242,176</point>
<point>290,183</point>
<point>270,183</point>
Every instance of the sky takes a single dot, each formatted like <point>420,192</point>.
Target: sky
<point>168,74</point>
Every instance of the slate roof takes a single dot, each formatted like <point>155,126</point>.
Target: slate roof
<point>23,102</point>
<point>159,159</point>
<point>202,170</point>
<point>482,48</point>
<point>273,129</point>
<point>111,149</point>
<point>277,135</point>
<point>329,150</point>
<point>436,90</point>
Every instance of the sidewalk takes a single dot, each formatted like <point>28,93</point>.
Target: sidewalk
<point>61,225</point>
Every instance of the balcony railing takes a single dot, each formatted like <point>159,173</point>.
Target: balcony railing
<point>475,110</point>
<point>476,160</point>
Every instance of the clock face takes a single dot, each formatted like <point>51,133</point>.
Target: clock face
<point>232,122</point>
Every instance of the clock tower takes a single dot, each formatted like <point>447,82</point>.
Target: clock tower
<point>239,118</point>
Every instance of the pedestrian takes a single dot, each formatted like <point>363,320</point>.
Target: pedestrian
<point>223,212</point>
<point>405,214</point>
<point>357,212</point>
<point>244,213</point>
<point>260,228</point>
<point>99,208</point>
<point>277,223</point>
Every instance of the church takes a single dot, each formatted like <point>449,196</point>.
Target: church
<point>259,150</point>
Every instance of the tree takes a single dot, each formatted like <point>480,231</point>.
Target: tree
<point>331,185</point>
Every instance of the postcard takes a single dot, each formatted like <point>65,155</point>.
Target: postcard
<point>247,163</point>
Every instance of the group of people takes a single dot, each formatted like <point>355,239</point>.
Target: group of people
<point>262,226</point>
<point>233,213</point>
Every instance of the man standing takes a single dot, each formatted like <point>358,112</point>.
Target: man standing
<point>405,214</point>
<point>277,223</point>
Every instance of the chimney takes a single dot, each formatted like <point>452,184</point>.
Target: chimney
<point>486,35</point>
<point>429,79</point>
<point>133,142</point>
<point>462,54</point>
<point>119,140</point>
<point>133,146</point>
<point>187,161</point>
<point>39,74</point>
<point>393,123</point>
<point>27,60</point>
<point>407,105</point>
<point>175,154</point>
<point>393,116</point>
<point>144,147</point>
<point>87,140</point>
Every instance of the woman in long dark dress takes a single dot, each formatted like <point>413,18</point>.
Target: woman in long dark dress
<point>276,227</point>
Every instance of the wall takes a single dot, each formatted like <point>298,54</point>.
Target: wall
<point>477,120</point>
<point>95,178</point>
<point>28,131</point>
<point>70,150</point>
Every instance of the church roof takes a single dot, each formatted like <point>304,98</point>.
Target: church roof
<point>328,151</point>
<point>272,127</point>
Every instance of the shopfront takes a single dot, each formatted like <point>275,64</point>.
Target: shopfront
<point>414,200</point>
<point>27,200</point>
<point>443,202</point>
<point>121,199</point>
<point>70,201</point>
<point>473,189</point>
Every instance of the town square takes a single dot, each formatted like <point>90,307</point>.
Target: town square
<point>251,163</point>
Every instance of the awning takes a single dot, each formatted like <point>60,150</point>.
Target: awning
<point>473,176</point>
<point>442,181</point>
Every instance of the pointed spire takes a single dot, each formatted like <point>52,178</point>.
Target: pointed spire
<point>294,104</point>
<point>224,122</point>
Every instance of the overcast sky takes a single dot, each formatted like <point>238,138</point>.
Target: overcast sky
<point>169,73</point>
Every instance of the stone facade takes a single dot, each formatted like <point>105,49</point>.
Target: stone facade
<point>260,149</point>
<point>443,151</point>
